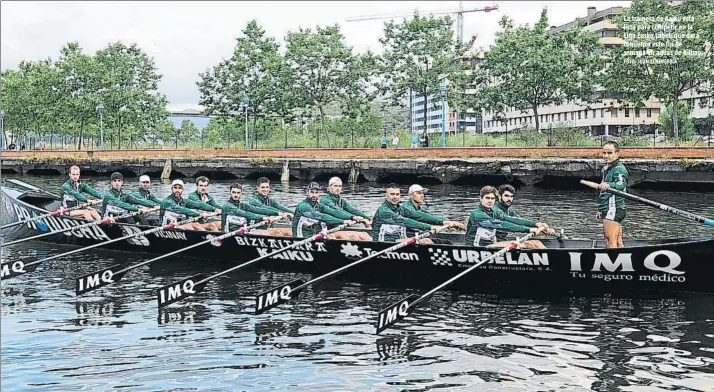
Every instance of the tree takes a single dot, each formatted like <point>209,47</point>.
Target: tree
<point>532,67</point>
<point>667,121</point>
<point>318,62</point>
<point>672,66</point>
<point>418,55</point>
<point>359,90</point>
<point>252,71</point>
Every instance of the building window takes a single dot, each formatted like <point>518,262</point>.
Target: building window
<point>703,102</point>
<point>586,113</point>
<point>558,116</point>
<point>637,112</point>
<point>627,112</point>
<point>580,116</point>
<point>572,115</point>
<point>594,113</point>
<point>613,113</point>
<point>602,113</point>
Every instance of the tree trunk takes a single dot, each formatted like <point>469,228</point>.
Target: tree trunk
<point>322,126</point>
<point>119,133</point>
<point>675,122</point>
<point>255,130</point>
<point>535,118</point>
<point>81,133</point>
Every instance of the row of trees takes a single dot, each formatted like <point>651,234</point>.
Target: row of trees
<point>318,75</point>
<point>60,97</point>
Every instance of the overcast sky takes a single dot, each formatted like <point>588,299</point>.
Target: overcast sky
<point>186,38</point>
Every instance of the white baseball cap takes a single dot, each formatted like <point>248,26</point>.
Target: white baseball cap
<point>334,180</point>
<point>416,188</point>
<point>144,178</point>
<point>177,182</point>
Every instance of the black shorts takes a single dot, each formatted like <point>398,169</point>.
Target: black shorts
<point>618,217</point>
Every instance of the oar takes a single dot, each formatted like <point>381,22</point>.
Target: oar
<point>31,187</point>
<point>53,213</point>
<point>195,284</point>
<point>95,223</point>
<point>20,268</point>
<point>402,308</point>
<point>664,207</point>
<point>112,274</point>
<point>282,294</point>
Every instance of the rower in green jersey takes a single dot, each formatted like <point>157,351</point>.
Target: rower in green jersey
<point>611,208</point>
<point>71,193</point>
<point>504,205</point>
<point>338,207</point>
<point>389,225</point>
<point>414,209</point>
<point>484,221</point>
<point>142,197</point>
<point>200,197</point>
<point>175,208</point>
<point>115,201</point>
<point>310,216</point>
<point>236,214</point>
<point>261,198</point>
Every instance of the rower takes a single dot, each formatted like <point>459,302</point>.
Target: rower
<point>115,201</point>
<point>611,208</point>
<point>388,225</point>
<point>143,197</point>
<point>338,207</point>
<point>261,198</point>
<point>414,209</point>
<point>71,192</point>
<point>506,194</point>
<point>203,201</point>
<point>484,221</point>
<point>310,216</point>
<point>174,208</point>
<point>236,214</point>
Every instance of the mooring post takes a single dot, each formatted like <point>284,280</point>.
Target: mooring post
<point>285,175</point>
<point>354,174</point>
<point>166,174</point>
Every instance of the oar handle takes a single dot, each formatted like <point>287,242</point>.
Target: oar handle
<point>661,206</point>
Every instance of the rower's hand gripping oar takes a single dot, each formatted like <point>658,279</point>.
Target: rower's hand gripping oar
<point>112,274</point>
<point>53,213</point>
<point>195,284</point>
<point>404,307</point>
<point>23,268</point>
<point>95,223</point>
<point>282,294</point>
<point>664,207</point>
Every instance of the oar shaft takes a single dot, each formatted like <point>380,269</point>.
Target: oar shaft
<point>126,237</point>
<point>295,245</point>
<point>373,255</point>
<point>240,231</point>
<point>473,267</point>
<point>95,223</point>
<point>53,213</point>
<point>661,206</point>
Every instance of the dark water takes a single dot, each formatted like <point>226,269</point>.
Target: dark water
<point>113,338</point>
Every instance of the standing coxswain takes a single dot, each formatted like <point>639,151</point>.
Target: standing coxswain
<point>71,193</point>
<point>611,208</point>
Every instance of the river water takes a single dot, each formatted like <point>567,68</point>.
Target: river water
<point>114,339</point>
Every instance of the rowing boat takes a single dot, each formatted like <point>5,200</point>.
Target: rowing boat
<point>682,264</point>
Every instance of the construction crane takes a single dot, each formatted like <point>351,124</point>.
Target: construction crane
<point>459,17</point>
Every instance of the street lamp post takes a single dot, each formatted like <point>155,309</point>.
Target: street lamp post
<point>2,129</point>
<point>100,110</point>
<point>442,88</point>
<point>245,105</point>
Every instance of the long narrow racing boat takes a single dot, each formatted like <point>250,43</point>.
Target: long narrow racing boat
<point>683,264</point>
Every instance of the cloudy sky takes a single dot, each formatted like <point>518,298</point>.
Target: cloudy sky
<point>186,37</point>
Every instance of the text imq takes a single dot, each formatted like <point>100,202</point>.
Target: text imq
<point>96,280</point>
<point>18,268</point>
<point>180,290</point>
<point>623,262</point>
<point>394,312</point>
<point>272,298</point>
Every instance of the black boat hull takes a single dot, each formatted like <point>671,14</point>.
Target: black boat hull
<point>572,265</point>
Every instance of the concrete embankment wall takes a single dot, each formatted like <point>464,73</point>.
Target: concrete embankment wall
<point>667,167</point>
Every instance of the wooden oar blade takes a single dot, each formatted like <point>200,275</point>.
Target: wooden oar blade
<point>16,268</point>
<point>180,290</point>
<point>98,279</point>
<point>277,296</point>
<point>395,312</point>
